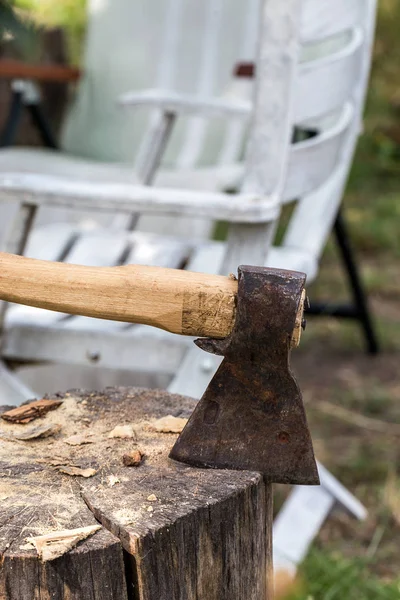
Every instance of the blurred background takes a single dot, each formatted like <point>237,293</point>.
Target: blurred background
<point>352,399</point>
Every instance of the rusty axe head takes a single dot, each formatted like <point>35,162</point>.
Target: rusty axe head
<point>251,415</point>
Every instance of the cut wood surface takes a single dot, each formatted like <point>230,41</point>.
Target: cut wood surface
<point>168,531</point>
<point>172,299</point>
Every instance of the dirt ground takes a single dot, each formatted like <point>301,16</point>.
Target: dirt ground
<point>353,406</point>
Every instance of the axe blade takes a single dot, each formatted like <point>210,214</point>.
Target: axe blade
<point>251,416</point>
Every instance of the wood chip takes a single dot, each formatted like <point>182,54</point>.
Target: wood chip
<point>168,424</point>
<point>122,431</point>
<point>112,480</point>
<point>34,433</point>
<point>79,440</point>
<point>31,411</point>
<point>152,498</point>
<point>55,544</point>
<point>133,459</point>
<point>77,471</point>
<point>28,546</point>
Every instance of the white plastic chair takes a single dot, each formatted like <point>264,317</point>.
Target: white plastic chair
<point>291,88</point>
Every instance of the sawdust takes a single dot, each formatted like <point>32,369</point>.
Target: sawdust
<point>112,480</point>
<point>127,516</point>
<point>8,489</point>
<point>30,477</point>
<point>29,480</point>
<point>40,431</point>
<point>68,414</point>
<point>55,502</point>
<point>86,424</point>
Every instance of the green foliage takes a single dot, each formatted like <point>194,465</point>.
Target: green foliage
<point>330,577</point>
<point>68,14</point>
<point>18,30</point>
<point>379,147</point>
<point>63,13</point>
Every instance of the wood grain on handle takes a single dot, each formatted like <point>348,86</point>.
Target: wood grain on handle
<point>178,301</point>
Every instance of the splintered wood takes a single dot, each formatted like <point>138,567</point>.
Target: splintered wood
<point>32,410</point>
<point>54,545</point>
<point>34,433</point>
<point>77,471</point>
<point>54,490</point>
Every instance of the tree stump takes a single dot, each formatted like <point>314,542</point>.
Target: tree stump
<point>165,531</point>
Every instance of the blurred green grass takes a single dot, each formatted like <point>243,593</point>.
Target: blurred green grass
<point>373,192</point>
<point>326,576</point>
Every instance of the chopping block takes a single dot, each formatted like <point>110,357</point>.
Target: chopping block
<point>166,531</point>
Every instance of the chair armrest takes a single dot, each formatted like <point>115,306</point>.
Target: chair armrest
<point>41,190</point>
<point>15,69</point>
<point>179,103</point>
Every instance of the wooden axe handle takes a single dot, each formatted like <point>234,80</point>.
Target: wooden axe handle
<point>178,301</point>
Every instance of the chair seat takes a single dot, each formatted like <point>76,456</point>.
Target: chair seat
<point>49,162</point>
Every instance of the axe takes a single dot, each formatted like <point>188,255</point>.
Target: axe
<point>251,415</point>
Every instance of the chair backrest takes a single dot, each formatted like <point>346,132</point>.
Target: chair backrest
<point>348,26</point>
<point>312,69</point>
<point>318,87</point>
<point>181,45</point>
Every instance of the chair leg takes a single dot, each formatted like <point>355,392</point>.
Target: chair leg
<point>7,136</point>
<point>359,309</point>
<point>359,295</point>
<point>41,123</point>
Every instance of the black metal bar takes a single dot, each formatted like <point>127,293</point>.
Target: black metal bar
<point>359,309</point>
<point>8,134</point>
<point>43,126</point>
<point>359,295</point>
